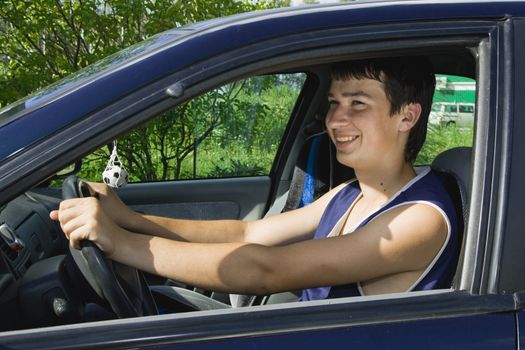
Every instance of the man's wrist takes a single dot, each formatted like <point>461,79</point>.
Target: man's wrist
<point>132,220</point>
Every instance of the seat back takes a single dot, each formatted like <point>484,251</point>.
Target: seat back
<point>316,172</point>
<point>455,167</point>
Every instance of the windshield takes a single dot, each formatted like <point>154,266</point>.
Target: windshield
<point>82,76</point>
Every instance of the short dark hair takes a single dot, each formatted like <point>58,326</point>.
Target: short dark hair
<point>406,80</point>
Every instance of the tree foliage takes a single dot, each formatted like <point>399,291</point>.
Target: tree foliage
<point>233,130</point>
<point>42,41</point>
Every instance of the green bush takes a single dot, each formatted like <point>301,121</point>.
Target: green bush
<point>441,138</point>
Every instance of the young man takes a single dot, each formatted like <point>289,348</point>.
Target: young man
<point>391,230</point>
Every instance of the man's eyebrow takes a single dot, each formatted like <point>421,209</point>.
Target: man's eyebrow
<point>360,93</point>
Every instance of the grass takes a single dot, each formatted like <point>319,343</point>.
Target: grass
<point>441,138</point>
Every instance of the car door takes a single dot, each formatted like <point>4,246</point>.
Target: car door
<point>386,319</point>
<point>405,320</point>
<point>475,313</point>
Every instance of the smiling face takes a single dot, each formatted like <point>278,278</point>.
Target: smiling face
<point>361,127</point>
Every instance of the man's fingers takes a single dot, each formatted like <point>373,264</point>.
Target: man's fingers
<point>74,240</point>
<point>77,235</point>
<point>80,218</point>
<point>69,203</point>
<point>54,215</point>
<point>71,226</point>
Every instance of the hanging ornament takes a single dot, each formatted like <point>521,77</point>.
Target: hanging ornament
<point>115,175</point>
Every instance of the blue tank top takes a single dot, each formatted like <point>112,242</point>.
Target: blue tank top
<point>427,188</point>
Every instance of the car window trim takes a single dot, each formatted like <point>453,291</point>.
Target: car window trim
<point>142,105</point>
<point>253,321</point>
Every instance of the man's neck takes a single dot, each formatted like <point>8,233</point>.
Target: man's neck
<point>382,184</point>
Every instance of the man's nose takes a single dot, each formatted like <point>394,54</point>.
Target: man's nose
<point>338,116</point>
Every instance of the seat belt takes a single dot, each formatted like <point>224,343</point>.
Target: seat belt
<point>308,192</point>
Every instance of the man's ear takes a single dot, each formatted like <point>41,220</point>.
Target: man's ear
<point>410,115</point>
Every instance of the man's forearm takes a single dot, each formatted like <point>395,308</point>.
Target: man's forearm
<point>221,267</point>
<point>203,231</point>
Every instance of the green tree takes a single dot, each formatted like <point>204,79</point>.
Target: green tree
<point>42,41</point>
<point>247,116</point>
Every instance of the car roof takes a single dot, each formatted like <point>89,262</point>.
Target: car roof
<point>175,49</point>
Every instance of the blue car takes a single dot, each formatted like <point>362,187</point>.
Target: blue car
<point>217,120</point>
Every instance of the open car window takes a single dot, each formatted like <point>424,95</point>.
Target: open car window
<point>233,130</point>
<point>451,119</point>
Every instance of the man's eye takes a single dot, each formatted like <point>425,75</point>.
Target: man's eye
<point>332,103</point>
<point>358,105</point>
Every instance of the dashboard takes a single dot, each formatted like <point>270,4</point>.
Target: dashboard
<point>27,236</point>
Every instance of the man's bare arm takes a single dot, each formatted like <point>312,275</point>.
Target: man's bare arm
<point>276,230</point>
<point>404,239</point>
<point>280,229</point>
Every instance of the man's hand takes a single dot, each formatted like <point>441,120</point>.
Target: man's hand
<point>85,218</point>
<point>112,205</point>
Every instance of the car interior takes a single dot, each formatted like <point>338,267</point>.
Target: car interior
<point>44,283</point>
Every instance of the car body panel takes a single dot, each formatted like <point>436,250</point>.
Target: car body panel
<point>86,113</point>
<point>479,332</point>
<point>453,314</point>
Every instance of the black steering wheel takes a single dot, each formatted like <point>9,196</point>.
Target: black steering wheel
<point>123,287</point>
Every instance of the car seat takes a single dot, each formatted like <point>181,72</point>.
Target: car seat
<point>316,172</point>
<point>455,167</point>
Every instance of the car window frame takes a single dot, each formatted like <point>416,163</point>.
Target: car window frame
<point>149,101</point>
<point>197,159</point>
<point>154,100</point>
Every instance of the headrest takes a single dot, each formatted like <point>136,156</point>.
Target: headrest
<point>456,161</point>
